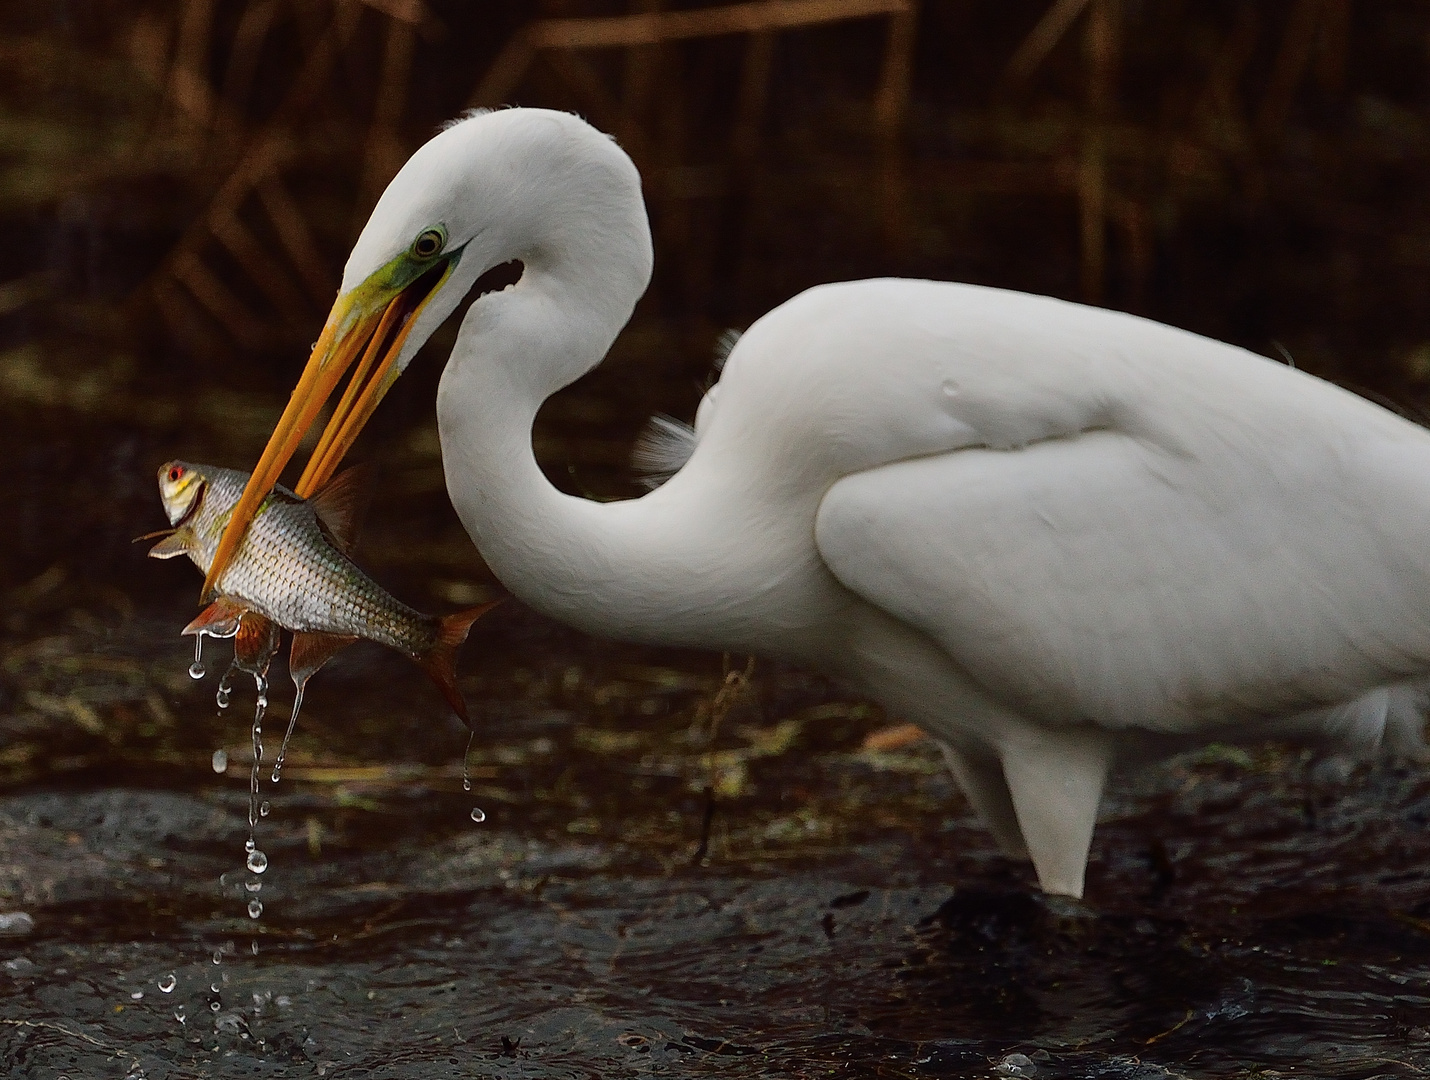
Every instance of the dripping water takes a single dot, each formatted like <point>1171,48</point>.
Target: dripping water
<point>292,723</point>
<point>256,861</point>
<point>196,669</point>
<point>466,762</point>
<point>255,773</point>
<point>225,686</point>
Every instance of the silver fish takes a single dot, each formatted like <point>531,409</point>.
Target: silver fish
<point>292,572</point>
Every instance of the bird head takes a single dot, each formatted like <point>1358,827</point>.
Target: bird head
<point>464,203</point>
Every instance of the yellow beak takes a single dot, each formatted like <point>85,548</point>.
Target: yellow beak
<point>371,321</point>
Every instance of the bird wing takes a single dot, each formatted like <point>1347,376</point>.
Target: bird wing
<point>1221,575</point>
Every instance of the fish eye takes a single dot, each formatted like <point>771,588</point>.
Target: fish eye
<point>174,474</point>
<point>428,243</point>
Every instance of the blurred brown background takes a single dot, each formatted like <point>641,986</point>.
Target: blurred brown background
<point>179,184</point>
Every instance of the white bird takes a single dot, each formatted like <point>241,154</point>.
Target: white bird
<point>1053,536</point>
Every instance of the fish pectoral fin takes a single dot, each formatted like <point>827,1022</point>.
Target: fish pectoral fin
<point>311,651</point>
<point>258,639</point>
<point>340,505</point>
<point>219,619</point>
<point>176,542</point>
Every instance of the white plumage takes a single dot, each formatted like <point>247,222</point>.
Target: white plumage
<point>1049,534</point>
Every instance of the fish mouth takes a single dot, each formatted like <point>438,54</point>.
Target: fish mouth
<point>367,327</point>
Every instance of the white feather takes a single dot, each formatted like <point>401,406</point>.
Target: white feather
<point>661,450</point>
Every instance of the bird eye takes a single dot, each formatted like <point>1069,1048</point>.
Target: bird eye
<point>174,474</point>
<point>428,243</point>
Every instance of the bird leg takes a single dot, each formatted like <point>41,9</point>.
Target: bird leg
<point>1055,778</point>
<point>981,778</point>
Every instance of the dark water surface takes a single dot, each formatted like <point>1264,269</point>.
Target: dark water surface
<point>1245,912</point>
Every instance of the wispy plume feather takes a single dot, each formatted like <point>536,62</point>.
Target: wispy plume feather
<point>661,450</point>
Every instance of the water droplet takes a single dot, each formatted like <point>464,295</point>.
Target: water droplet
<point>249,845</point>
<point>220,761</point>
<point>257,861</point>
<point>253,948</point>
<point>253,886</point>
<point>263,808</point>
<point>215,1006</point>
<point>138,995</point>
<point>167,983</point>
<point>181,1016</point>
<point>478,814</point>
<point>196,669</point>
<point>466,769</point>
<point>224,694</point>
<point>218,956</point>
<point>214,987</point>
<point>255,909</point>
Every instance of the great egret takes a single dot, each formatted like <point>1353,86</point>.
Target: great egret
<point>1049,534</point>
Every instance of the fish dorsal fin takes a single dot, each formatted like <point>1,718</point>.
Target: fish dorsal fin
<point>219,619</point>
<point>340,504</point>
<point>311,651</point>
<point>175,544</point>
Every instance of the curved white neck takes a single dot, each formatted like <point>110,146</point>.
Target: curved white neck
<point>572,558</point>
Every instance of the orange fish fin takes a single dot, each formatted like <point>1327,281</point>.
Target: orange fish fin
<point>311,651</point>
<point>221,618</point>
<point>258,639</point>
<point>341,503</point>
<point>176,543</point>
<point>440,661</point>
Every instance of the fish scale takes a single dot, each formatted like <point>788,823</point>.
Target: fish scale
<point>288,569</point>
<point>291,572</point>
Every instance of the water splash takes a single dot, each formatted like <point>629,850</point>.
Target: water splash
<point>196,669</point>
<point>292,723</point>
<point>478,814</point>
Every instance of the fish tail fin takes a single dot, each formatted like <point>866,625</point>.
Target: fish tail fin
<point>440,661</point>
